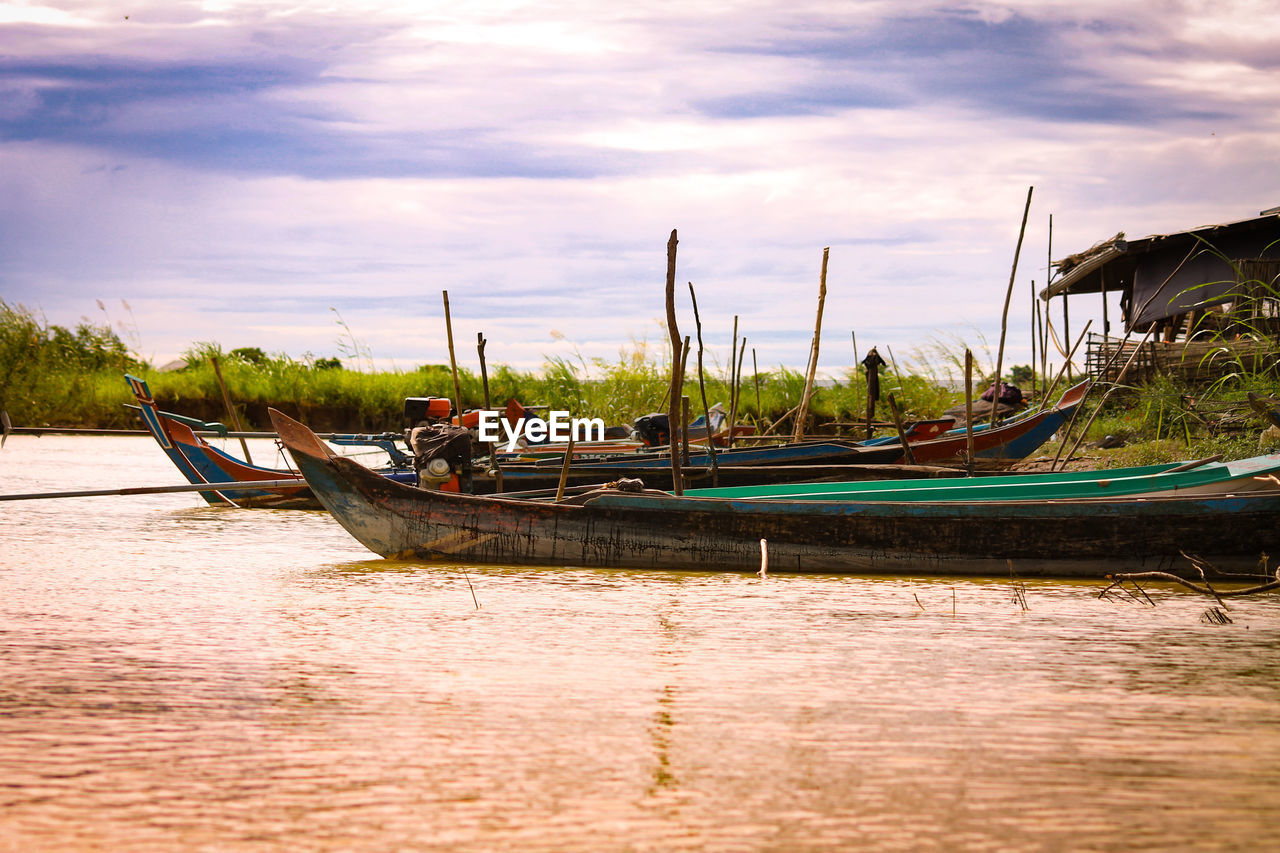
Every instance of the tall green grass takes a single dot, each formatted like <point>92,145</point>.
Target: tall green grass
<point>51,375</point>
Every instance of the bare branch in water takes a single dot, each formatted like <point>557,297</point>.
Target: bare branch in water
<point>1203,588</point>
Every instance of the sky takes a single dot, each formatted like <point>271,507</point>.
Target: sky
<point>308,178</point>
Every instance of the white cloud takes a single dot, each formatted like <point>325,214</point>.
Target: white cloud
<point>235,171</point>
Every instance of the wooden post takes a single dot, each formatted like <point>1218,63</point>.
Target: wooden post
<point>902,433</point>
<point>803,412</point>
<point>968,411</point>
<point>871,404</point>
<point>733,410</point>
<point>1106,323</point>
<point>733,351</point>
<point>755,373</point>
<point>1004,317</point>
<point>684,428</point>
<point>702,389</point>
<point>1035,338</point>
<point>453,361</point>
<point>484,378</point>
<point>673,395</point>
<point>231,410</point>
<point>564,468</point>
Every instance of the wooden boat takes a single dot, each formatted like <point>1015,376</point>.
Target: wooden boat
<point>1205,476</point>
<point>1078,537</point>
<point>996,447</point>
<point>201,462</point>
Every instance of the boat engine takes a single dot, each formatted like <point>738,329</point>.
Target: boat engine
<point>441,450</point>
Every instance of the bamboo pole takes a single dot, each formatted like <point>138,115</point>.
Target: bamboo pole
<point>1034,338</point>
<point>1061,370</point>
<point>803,412</point>
<point>673,394</point>
<point>733,410</point>
<point>755,373</point>
<point>968,411</point>
<point>160,490</point>
<point>231,410</point>
<point>564,468</point>
<point>893,362</point>
<point>1004,317</point>
<point>453,361</point>
<point>733,351</point>
<point>684,427</point>
<point>1110,391</point>
<point>702,389</point>
<point>484,378</point>
<point>902,433</point>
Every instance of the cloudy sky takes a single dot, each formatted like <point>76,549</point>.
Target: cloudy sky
<point>300,176</point>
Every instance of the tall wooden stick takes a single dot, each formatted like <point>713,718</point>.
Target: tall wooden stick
<point>231,410</point>
<point>803,413</point>
<point>755,373</point>
<point>453,361</point>
<point>677,380</point>
<point>1061,370</point>
<point>968,411</point>
<point>702,389</point>
<point>1004,317</point>
<point>907,453</point>
<point>684,427</point>
<point>484,378</point>
<point>1035,334</point>
<point>564,468</point>
<point>733,351</point>
<point>733,410</point>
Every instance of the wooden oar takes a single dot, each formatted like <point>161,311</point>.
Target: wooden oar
<point>160,490</point>
<point>203,433</point>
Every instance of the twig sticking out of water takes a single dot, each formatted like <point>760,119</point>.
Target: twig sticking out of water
<point>470,587</point>
<point>917,598</point>
<point>1118,581</point>
<point>1114,590</point>
<point>1019,588</point>
<point>764,558</point>
<point>1215,616</point>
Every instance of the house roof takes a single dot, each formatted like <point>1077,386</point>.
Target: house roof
<point>1112,262</point>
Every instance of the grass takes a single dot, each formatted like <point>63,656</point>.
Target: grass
<point>74,377</point>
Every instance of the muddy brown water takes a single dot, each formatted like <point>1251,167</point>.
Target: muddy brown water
<point>180,677</point>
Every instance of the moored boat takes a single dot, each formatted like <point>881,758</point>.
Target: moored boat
<point>1073,537</point>
<point>200,462</point>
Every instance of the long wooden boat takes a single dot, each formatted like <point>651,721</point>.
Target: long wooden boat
<point>997,447</point>
<point>1203,477</point>
<point>200,462</point>
<point>994,447</point>
<point>1079,537</point>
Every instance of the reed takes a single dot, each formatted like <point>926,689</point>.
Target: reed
<point>74,378</point>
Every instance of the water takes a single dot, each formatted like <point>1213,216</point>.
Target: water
<point>174,676</point>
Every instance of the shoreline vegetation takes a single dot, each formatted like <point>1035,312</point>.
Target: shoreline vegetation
<point>51,376</point>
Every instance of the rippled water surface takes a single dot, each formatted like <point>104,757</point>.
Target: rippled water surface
<point>174,676</point>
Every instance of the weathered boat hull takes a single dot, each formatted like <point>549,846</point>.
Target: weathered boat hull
<point>1075,538</point>
<point>199,462</point>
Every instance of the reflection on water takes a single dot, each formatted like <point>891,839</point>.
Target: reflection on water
<point>174,676</point>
